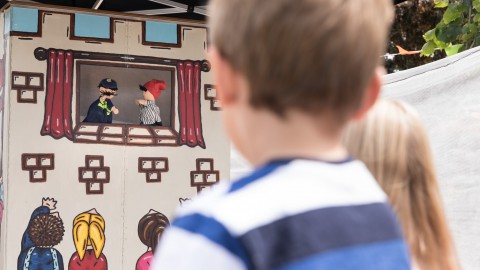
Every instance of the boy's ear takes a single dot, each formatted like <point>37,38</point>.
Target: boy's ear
<point>225,77</point>
<point>371,94</point>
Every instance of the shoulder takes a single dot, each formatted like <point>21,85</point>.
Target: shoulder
<point>146,256</point>
<point>40,210</point>
<point>289,198</point>
<point>144,261</point>
<point>206,201</point>
<point>152,104</point>
<point>94,105</point>
<point>57,252</point>
<point>74,257</point>
<point>281,189</point>
<point>102,258</point>
<point>200,217</point>
<point>95,102</point>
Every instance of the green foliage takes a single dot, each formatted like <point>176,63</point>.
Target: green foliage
<point>457,31</point>
<point>441,3</point>
<point>413,20</point>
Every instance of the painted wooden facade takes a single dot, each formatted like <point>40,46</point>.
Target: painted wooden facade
<point>99,179</point>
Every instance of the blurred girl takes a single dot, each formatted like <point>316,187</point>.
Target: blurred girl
<point>150,230</point>
<point>89,239</point>
<point>393,143</point>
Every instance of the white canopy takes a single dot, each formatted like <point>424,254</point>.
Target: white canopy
<point>447,95</point>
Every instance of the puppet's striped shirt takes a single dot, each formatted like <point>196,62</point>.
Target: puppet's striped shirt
<point>150,114</point>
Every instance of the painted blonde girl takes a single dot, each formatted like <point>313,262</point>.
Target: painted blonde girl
<point>393,143</point>
<point>89,240</point>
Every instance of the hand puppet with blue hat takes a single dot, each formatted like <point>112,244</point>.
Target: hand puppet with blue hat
<point>101,110</point>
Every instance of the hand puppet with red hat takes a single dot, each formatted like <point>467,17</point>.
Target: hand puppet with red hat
<point>154,87</point>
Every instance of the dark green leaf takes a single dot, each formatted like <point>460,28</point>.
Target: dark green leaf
<point>449,33</point>
<point>453,12</point>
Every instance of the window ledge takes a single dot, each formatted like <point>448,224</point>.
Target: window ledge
<point>125,135</point>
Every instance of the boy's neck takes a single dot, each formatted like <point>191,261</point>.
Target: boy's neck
<point>297,136</point>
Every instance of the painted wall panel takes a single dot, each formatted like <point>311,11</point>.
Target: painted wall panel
<point>3,138</point>
<point>112,173</point>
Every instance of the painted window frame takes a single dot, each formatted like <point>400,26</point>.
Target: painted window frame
<point>29,34</point>
<point>27,87</point>
<point>161,44</point>
<point>92,39</point>
<point>126,138</point>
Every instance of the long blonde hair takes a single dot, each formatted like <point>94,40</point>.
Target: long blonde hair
<point>89,230</point>
<point>393,143</point>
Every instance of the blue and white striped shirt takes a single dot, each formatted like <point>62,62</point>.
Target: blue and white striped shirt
<point>288,214</point>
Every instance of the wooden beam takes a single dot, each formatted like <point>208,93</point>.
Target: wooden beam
<point>158,11</point>
<point>97,4</point>
<point>170,3</point>
<point>41,54</point>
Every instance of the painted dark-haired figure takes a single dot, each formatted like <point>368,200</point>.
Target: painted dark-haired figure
<point>150,230</point>
<point>44,231</point>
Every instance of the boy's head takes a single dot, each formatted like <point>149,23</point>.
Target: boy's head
<point>314,56</point>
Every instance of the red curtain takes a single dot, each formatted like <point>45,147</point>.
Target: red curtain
<point>58,100</point>
<point>189,111</point>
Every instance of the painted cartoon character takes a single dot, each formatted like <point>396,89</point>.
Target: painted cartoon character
<point>89,239</point>
<point>149,111</point>
<point>45,230</point>
<point>150,230</point>
<point>100,111</point>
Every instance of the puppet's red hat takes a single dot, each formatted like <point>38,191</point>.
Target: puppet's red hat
<point>154,87</point>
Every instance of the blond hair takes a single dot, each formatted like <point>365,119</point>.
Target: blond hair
<point>309,55</point>
<point>89,230</point>
<point>393,143</point>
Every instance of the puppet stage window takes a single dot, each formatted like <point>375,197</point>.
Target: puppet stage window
<point>125,127</point>
<point>128,78</point>
<point>60,121</point>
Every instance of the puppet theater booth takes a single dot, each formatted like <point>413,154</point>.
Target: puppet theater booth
<point>75,193</point>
